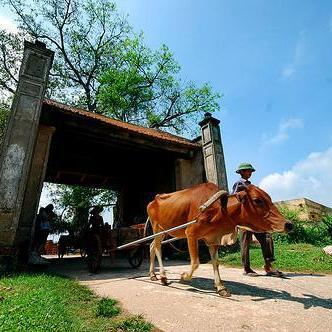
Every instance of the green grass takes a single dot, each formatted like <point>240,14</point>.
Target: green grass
<point>107,308</point>
<point>43,302</point>
<point>298,257</point>
<point>134,324</point>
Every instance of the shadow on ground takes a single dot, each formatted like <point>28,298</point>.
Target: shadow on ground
<point>204,285</point>
<point>76,268</point>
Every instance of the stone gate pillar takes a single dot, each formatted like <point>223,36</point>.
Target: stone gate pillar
<point>213,153</point>
<point>19,143</point>
<point>25,230</point>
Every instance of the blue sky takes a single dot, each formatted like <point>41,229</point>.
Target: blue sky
<point>272,61</point>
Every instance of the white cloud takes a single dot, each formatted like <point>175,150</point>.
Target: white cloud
<point>288,71</point>
<point>310,178</point>
<point>300,48</point>
<point>298,57</point>
<point>8,24</point>
<point>283,131</point>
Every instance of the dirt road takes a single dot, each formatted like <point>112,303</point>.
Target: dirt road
<point>301,302</point>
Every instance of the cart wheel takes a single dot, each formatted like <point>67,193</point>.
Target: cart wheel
<point>94,253</point>
<point>135,257</point>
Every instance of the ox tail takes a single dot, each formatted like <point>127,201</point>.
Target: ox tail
<point>148,227</point>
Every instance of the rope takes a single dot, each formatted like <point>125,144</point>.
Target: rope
<point>172,245</point>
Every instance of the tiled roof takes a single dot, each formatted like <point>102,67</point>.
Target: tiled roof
<point>139,130</point>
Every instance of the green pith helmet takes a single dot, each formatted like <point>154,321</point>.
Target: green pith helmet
<point>244,166</point>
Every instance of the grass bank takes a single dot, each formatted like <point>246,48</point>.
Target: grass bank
<point>41,302</point>
<point>299,257</point>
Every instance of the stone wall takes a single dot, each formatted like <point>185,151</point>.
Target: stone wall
<point>307,209</point>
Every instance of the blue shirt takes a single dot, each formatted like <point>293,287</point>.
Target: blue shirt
<point>238,185</point>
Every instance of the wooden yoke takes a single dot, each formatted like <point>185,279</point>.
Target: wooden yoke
<point>212,199</point>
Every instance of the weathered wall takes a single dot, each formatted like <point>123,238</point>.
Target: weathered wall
<point>307,209</point>
<point>34,187</point>
<point>20,139</point>
<point>213,153</point>
<point>189,172</point>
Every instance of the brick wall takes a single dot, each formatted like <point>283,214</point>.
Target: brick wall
<point>50,248</point>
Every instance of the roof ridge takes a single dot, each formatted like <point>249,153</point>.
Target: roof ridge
<point>124,125</point>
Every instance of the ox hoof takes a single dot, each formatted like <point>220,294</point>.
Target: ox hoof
<point>185,276</point>
<point>153,277</point>
<point>164,281</point>
<point>224,292</point>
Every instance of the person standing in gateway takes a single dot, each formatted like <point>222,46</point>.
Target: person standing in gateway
<point>265,239</point>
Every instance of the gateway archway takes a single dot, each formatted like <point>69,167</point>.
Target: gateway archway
<point>93,150</point>
<point>52,142</point>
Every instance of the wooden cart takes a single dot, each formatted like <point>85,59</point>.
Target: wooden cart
<point>107,241</point>
<point>69,243</point>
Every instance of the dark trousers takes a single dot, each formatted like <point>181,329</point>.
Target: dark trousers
<point>266,242</point>
<point>40,240</point>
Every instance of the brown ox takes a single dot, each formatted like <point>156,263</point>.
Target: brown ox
<point>251,209</point>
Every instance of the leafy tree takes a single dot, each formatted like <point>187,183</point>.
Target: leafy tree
<point>11,52</point>
<point>100,60</point>
<point>76,201</point>
<point>85,35</point>
<point>3,122</point>
<point>145,88</point>
<point>11,48</point>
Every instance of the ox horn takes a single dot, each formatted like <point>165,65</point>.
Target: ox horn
<point>224,199</point>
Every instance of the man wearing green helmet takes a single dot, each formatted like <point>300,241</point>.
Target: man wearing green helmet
<point>265,239</point>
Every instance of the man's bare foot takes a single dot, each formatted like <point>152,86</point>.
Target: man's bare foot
<point>274,273</point>
<point>271,272</point>
<point>250,273</point>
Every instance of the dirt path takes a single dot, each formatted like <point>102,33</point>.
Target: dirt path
<point>299,303</point>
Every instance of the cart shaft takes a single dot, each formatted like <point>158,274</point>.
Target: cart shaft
<point>147,238</point>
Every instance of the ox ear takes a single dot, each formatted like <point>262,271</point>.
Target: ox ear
<point>224,200</point>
